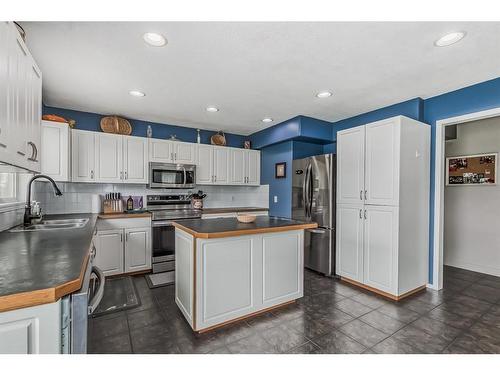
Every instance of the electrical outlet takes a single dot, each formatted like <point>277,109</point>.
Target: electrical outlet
<point>275,199</point>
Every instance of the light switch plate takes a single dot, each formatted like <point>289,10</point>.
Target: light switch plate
<point>275,199</point>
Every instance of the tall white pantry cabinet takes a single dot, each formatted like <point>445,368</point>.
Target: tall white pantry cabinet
<point>383,205</point>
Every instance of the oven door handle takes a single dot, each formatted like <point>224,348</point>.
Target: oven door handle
<point>96,299</point>
<point>156,224</point>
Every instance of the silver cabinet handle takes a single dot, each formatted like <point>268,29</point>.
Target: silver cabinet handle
<point>215,178</point>
<point>21,153</point>
<point>360,214</point>
<point>121,175</point>
<point>172,156</point>
<point>361,194</point>
<point>175,156</point>
<point>365,214</point>
<point>92,174</point>
<point>316,231</point>
<point>34,152</point>
<point>365,194</point>
<point>121,237</point>
<point>126,175</point>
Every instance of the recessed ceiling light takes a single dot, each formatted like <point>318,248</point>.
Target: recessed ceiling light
<point>212,109</point>
<point>154,39</point>
<point>267,119</point>
<point>136,93</point>
<point>324,94</point>
<point>449,39</point>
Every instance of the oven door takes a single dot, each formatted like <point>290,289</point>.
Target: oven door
<point>163,244</point>
<point>171,176</point>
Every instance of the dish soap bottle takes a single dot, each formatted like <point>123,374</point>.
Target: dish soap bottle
<point>130,203</point>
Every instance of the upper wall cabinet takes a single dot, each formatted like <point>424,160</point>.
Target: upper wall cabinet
<point>164,151</point>
<point>55,153</point>
<point>111,158</point>
<point>20,101</point>
<point>244,167</point>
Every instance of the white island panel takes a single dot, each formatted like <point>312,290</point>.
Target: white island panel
<point>283,267</point>
<point>227,282</point>
<point>184,274</point>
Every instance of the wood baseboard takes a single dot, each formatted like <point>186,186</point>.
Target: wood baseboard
<point>382,293</point>
<point>204,330</point>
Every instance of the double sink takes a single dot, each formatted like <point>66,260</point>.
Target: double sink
<point>51,225</point>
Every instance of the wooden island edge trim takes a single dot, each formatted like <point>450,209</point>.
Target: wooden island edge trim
<point>244,232</point>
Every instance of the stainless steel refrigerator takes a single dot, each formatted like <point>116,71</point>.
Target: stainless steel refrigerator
<point>313,199</point>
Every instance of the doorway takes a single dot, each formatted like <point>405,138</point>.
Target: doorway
<point>462,257</point>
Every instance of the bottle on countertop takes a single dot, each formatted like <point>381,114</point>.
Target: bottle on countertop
<point>130,203</point>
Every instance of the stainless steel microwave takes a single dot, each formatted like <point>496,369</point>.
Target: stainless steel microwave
<point>172,176</point>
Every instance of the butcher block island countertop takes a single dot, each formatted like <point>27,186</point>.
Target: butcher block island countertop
<point>230,227</point>
<point>226,270</point>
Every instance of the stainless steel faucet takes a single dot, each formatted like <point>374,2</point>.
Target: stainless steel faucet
<point>27,208</point>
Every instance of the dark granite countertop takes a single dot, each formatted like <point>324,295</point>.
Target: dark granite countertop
<point>229,227</point>
<point>38,266</point>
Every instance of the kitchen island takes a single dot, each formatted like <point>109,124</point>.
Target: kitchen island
<point>227,270</point>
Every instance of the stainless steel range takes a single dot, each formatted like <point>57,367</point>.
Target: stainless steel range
<point>165,209</point>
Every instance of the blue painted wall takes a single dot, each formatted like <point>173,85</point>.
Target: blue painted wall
<point>281,187</point>
<point>91,121</point>
<point>305,149</point>
<point>479,97</point>
<point>300,128</point>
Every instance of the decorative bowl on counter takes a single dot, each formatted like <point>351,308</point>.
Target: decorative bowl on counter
<point>246,218</point>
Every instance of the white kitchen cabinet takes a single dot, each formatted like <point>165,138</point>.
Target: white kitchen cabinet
<point>349,236</point>
<point>137,249</point>
<point>244,167</point>
<point>165,151</point>
<point>205,165</point>
<point>20,101</point>
<point>382,162</point>
<point>380,250</point>
<point>184,152</point>
<point>135,160</point>
<point>238,171</point>
<point>5,129</point>
<point>109,251</point>
<point>252,167</point>
<point>160,151</point>
<point>383,171</point>
<point>221,165</point>
<point>109,157</point>
<point>350,165</point>
<point>123,245</point>
<point>55,150</point>
<point>31,330</point>
<point>83,156</point>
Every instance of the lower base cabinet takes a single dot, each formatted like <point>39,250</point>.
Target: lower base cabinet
<point>123,246</point>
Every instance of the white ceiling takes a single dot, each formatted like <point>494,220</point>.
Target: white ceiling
<point>254,70</point>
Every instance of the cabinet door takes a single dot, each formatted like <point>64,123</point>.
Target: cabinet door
<point>55,150</point>
<point>135,159</point>
<point>184,153</point>
<point>5,126</point>
<point>109,251</point>
<point>160,151</point>
<point>137,249</point>
<point>20,100</point>
<point>382,162</point>
<point>350,241</point>
<point>253,167</point>
<point>34,115</point>
<point>221,165</point>
<point>237,163</point>
<point>204,165</point>
<point>83,156</point>
<point>380,248</point>
<point>350,165</point>
<point>108,158</point>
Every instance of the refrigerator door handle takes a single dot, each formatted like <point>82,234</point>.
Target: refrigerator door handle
<point>311,190</point>
<point>317,231</point>
<point>304,193</point>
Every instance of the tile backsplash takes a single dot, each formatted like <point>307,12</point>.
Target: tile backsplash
<point>83,197</point>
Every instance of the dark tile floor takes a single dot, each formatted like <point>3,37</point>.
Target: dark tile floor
<point>333,317</point>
